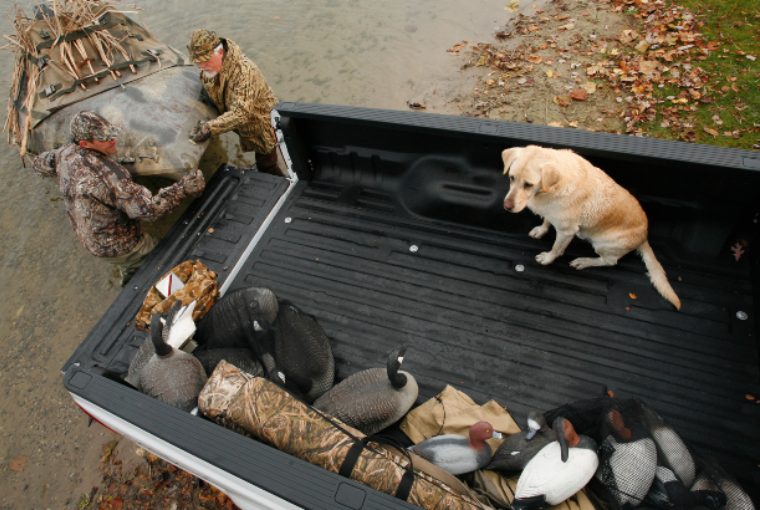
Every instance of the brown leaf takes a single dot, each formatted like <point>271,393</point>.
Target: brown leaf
<point>750,396</point>
<point>738,250</point>
<point>18,463</point>
<point>579,94</point>
<point>416,105</point>
<point>711,131</point>
<point>536,59</point>
<point>632,295</point>
<point>457,47</point>
<point>627,36</point>
<point>562,100</point>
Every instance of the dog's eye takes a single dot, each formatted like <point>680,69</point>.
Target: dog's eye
<point>527,185</point>
<point>511,178</point>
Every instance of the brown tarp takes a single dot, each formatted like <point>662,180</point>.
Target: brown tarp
<point>270,414</point>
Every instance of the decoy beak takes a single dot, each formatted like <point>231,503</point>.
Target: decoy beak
<point>156,335</point>
<point>559,429</point>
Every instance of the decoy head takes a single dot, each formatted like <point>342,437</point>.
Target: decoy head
<point>566,435</point>
<point>618,426</point>
<point>156,335</point>
<point>395,359</point>
<point>481,431</point>
<point>536,422</point>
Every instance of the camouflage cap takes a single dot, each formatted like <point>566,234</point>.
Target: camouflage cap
<point>91,126</point>
<point>202,43</point>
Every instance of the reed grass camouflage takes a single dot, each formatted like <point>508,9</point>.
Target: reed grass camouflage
<point>202,43</point>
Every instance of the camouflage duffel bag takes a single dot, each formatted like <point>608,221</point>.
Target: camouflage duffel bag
<point>200,285</point>
<point>265,411</point>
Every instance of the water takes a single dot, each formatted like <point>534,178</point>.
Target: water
<point>358,52</point>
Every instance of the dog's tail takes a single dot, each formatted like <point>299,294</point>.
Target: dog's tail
<point>657,275</point>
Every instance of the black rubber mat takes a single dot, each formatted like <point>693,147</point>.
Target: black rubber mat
<point>479,313</point>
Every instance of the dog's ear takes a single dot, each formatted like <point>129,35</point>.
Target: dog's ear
<point>550,177</point>
<point>509,155</point>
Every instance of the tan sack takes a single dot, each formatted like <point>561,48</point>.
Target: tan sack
<point>453,412</point>
<point>270,414</point>
<point>200,285</point>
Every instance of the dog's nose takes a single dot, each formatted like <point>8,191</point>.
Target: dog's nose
<point>508,205</point>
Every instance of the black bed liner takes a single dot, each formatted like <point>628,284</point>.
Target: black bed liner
<point>395,234</point>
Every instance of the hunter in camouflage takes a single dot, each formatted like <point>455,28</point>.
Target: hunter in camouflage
<point>237,88</point>
<point>102,201</point>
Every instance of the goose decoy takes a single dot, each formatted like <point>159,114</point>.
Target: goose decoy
<point>628,459</point>
<point>172,376</point>
<point>302,352</point>
<point>515,451</point>
<point>673,452</point>
<point>714,478</point>
<point>559,470</point>
<point>372,399</point>
<point>458,454</point>
<point>241,357</point>
<point>230,320</point>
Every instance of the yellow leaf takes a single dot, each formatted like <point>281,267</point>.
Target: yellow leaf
<point>549,73</point>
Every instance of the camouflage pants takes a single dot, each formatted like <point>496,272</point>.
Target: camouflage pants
<point>128,263</point>
<point>258,136</point>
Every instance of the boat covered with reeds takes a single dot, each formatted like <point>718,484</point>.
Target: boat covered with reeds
<point>75,55</point>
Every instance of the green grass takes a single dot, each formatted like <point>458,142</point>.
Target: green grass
<point>734,85</point>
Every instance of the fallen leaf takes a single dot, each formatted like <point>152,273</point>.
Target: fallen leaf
<point>549,73</point>
<point>536,59</point>
<point>456,48</point>
<point>589,87</point>
<point>568,26</point>
<point>555,123</point>
<point>415,105</point>
<point>18,463</point>
<point>573,123</point>
<point>512,6</point>
<point>632,295</point>
<point>522,81</point>
<point>711,131</point>
<point>750,396</point>
<point>642,46</point>
<point>533,28</point>
<point>210,230</point>
<point>738,251</point>
<point>579,94</point>
<point>627,36</point>
<point>751,57</point>
<point>648,67</point>
<point>562,100</point>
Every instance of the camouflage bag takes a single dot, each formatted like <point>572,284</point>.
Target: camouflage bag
<point>267,412</point>
<point>200,285</point>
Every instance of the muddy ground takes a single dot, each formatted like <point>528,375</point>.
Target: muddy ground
<point>541,79</point>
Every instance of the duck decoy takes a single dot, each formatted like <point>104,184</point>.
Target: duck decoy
<point>374,398</point>
<point>231,319</point>
<point>628,459</point>
<point>172,376</point>
<point>673,452</point>
<point>668,492</point>
<point>713,477</point>
<point>514,453</point>
<point>558,470</point>
<point>458,454</point>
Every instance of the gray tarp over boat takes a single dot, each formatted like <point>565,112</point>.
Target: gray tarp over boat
<point>148,90</point>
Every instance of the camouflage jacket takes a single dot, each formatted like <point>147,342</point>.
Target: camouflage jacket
<point>103,203</point>
<point>240,92</point>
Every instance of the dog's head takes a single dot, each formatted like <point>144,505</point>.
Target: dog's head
<point>530,172</point>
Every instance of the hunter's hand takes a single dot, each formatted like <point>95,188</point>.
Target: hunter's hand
<point>193,183</point>
<point>200,133</point>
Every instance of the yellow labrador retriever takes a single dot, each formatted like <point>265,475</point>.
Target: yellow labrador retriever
<point>577,198</point>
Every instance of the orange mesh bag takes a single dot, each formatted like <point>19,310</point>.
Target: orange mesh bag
<point>200,285</point>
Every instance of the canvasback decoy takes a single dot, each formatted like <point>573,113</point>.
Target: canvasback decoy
<point>667,491</point>
<point>372,399</point>
<point>627,459</point>
<point>458,454</point>
<point>558,470</point>
<point>673,452</point>
<point>515,451</point>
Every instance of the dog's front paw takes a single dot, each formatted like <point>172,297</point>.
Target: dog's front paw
<point>538,232</point>
<point>545,258</point>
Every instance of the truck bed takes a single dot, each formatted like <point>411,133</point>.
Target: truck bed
<point>395,234</point>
